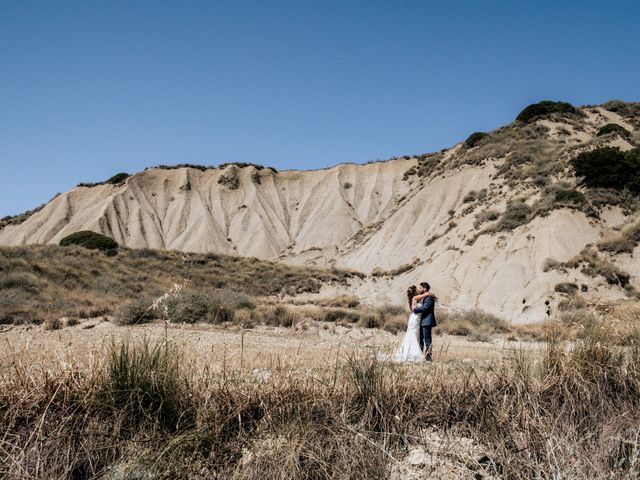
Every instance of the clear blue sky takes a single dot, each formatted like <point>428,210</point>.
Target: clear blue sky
<point>91,88</point>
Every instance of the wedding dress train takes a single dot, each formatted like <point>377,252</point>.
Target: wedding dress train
<point>410,350</point>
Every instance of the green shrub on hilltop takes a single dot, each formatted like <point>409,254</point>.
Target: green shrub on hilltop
<point>544,109</point>
<point>609,167</point>
<point>118,178</point>
<point>613,128</point>
<point>90,240</point>
<point>475,138</point>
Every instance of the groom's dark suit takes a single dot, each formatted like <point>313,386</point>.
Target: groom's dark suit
<point>426,310</point>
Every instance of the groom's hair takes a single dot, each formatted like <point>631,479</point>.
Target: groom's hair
<point>426,286</point>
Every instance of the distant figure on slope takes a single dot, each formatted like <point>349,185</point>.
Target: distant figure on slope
<point>416,344</point>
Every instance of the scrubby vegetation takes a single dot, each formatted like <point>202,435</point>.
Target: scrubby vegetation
<point>475,138</point>
<point>601,197</point>
<point>41,282</point>
<point>626,242</point>
<point>545,109</point>
<point>427,165</point>
<point>90,240</point>
<point>561,195</point>
<point>629,110</point>
<point>566,287</point>
<point>473,323</point>
<point>486,216</point>
<point>231,179</point>
<point>222,166</point>
<point>613,128</point>
<point>593,265</point>
<point>609,167</point>
<point>569,196</point>
<point>189,306</point>
<point>516,214</point>
<point>379,272</point>
<point>117,179</point>
<point>149,411</point>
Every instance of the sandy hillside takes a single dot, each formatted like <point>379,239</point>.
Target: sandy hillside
<point>399,221</point>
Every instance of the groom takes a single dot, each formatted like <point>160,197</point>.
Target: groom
<point>426,310</point>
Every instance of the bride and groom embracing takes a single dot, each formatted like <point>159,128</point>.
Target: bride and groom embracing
<point>416,344</point>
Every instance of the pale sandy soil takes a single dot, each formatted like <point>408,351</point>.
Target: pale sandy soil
<point>36,350</point>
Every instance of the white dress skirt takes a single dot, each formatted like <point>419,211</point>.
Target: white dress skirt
<point>410,350</point>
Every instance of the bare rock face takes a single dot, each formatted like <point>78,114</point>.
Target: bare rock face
<point>484,224</point>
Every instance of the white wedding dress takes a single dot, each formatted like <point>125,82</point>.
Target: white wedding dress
<point>410,350</point>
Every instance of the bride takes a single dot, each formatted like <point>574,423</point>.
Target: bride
<point>410,350</point>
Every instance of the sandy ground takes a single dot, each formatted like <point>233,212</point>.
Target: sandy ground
<point>31,351</point>
<point>36,350</point>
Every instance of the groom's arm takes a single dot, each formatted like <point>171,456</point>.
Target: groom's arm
<point>426,304</point>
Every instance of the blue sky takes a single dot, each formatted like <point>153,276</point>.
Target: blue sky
<point>91,88</point>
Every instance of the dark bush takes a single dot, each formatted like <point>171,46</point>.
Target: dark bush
<point>475,138</point>
<point>90,240</point>
<point>118,178</point>
<point>544,109</point>
<point>570,196</point>
<point>609,167</point>
<point>470,197</point>
<point>202,168</point>
<point>613,128</point>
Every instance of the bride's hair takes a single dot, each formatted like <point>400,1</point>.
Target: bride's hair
<point>412,291</point>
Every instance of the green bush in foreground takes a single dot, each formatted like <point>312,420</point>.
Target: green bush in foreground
<point>544,109</point>
<point>142,383</point>
<point>90,240</point>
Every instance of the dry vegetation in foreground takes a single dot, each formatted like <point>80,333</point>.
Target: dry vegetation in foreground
<point>148,411</point>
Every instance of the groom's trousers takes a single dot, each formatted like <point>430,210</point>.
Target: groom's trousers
<point>425,340</point>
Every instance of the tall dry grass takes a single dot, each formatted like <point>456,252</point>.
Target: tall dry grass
<point>145,412</point>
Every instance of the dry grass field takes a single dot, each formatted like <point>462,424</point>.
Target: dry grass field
<point>199,382</point>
